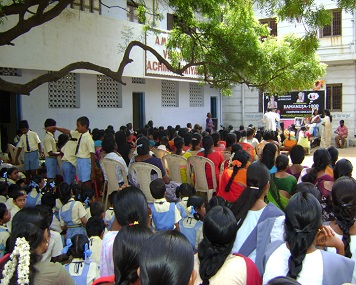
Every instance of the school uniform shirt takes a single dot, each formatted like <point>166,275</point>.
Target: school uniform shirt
<point>68,151</point>
<point>3,199</point>
<point>232,272</point>
<point>54,248</point>
<point>95,245</point>
<point>33,141</point>
<point>49,144</point>
<point>4,235</point>
<point>93,272</point>
<point>13,212</point>
<point>56,225</point>
<point>86,144</point>
<point>9,204</point>
<point>109,214</point>
<point>88,215</point>
<point>78,212</point>
<point>164,207</point>
<point>106,256</point>
<point>33,194</point>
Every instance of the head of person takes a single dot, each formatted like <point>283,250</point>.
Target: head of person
<point>188,139</point>
<point>196,140</point>
<point>12,189</point>
<point>315,112</point>
<point>219,230</point>
<point>78,247</point>
<point>269,155</point>
<point>178,143</point>
<point>321,159</point>
<point>258,178</point>
<point>171,262</point>
<point>47,212</point>
<point>342,122</point>
<point>12,173</point>
<point>239,160</point>
<point>95,227</point>
<point>250,132</point>
<point>282,162</point>
<point>198,207</point>
<point>344,207</point>
<point>185,190</point>
<point>271,98</point>
<point>297,154</point>
<point>111,198</point>
<point>29,227</point>
<point>334,154</point>
<point>236,147</point>
<point>120,138</point>
<point>208,144</point>
<point>108,144</point>
<point>268,135</point>
<point>302,222</point>
<point>158,188</point>
<point>37,182</point>
<point>49,199</point>
<point>5,214</point>
<point>143,146</point>
<point>216,138</point>
<point>50,123</point>
<point>127,247</point>
<point>343,167</point>
<point>208,115</point>
<point>62,140</point>
<point>215,201</point>
<point>308,188</point>
<point>129,126</point>
<point>82,124</point>
<point>4,188</point>
<point>87,196</point>
<point>130,206</point>
<point>230,139</point>
<point>65,193</point>
<point>97,209</point>
<point>281,280</point>
<point>269,109</point>
<point>19,198</point>
<point>24,126</point>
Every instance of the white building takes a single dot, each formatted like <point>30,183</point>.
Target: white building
<point>97,37</point>
<point>337,50</point>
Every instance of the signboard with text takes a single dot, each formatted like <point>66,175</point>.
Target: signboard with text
<point>296,104</point>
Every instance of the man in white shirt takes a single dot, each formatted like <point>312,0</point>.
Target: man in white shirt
<point>270,119</point>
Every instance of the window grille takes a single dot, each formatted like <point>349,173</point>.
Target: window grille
<point>92,6</point>
<point>138,80</point>
<point>196,95</point>
<point>8,71</point>
<point>335,28</point>
<point>334,97</point>
<point>109,92</point>
<point>272,25</point>
<point>169,93</point>
<point>64,93</point>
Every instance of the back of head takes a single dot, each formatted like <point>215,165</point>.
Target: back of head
<point>196,140</point>
<point>188,139</point>
<point>220,230</point>
<point>143,146</point>
<point>308,187</point>
<point>95,226</point>
<point>281,280</point>
<point>268,155</point>
<point>120,137</point>
<point>158,188</point>
<point>130,205</point>
<point>302,222</point>
<point>238,161</point>
<point>185,190</point>
<point>97,209</point>
<point>127,247</point>
<point>65,193</point>
<point>334,154</point>
<point>3,210</point>
<point>344,207</point>
<point>108,144</point>
<point>268,135</point>
<point>343,167</point>
<point>178,143</point>
<point>236,147</point>
<point>12,189</point>
<point>297,154</point>
<point>321,159</point>
<point>78,247</point>
<point>171,262</point>
<point>208,143</point>
<point>23,124</point>
<point>282,162</point>
<point>216,138</point>
<point>215,201</point>
<point>230,139</point>
<point>49,123</point>
<point>84,121</point>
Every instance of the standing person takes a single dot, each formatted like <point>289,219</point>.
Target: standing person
<point>270,118</point>
<point>341,135</point>
<point>32,144</point>
<point>326,137</point>
<point>209,123</point>
<point>69,160</point>
<point>314,123</point>
<point>50,151</point>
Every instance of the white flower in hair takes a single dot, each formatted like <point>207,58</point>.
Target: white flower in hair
<point>20,257</point>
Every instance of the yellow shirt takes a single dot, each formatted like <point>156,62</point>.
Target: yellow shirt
<point>86,144</point>
<point>78,212</point>
<point>69,152</point>
<point>49,144</point>
<point>33,141</point>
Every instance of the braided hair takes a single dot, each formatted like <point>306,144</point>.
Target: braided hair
<point>242,157</point>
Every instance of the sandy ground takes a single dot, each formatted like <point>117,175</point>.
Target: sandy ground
<point>349,153</point>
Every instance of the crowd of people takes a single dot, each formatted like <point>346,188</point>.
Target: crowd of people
<point>272,220</point>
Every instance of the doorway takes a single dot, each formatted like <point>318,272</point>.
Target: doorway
<point>138,110</point>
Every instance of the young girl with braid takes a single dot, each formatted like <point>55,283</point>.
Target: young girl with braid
<point>344,208</point>
<point>233,179</point>
<point>298,256</point>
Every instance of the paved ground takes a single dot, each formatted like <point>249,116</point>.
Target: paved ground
<point>349,153</point>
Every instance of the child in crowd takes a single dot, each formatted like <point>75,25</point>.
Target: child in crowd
<point>84,152</point>
<point>3,191</point>
<point>49,199</point>
<point>12,175</point>
<point>97,210</point>
<point>87,197</point>
<point>165,215</point>
<point>4,233</point>
<point>19,202</point>
<point>191,226</point>
<point>109,214</point>
<point>184,191</point>
<point>32,145</point>
<point>72,214</point>
<point>82,270</point>
<point>12,189</point>
<point>35,186</point>
<point>69,160</point>
<point>95,231</point>
<point>50,151</point>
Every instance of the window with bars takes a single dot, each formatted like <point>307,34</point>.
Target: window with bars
<point>109,92</point>
<point>8,71</point>
<point>196,95</point>
<point>169,93</point>
<point>92,6</point>
<point>334,97</point>
<point>64,93</point>
<point>335,28</point>
<point>138,80</point>
<point>132,14</point>
<point>272,25</point>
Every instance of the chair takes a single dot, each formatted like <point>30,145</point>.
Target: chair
<point>111,183</point>
<point>142,171</point>
<point>194,152</point>
<point>159,153</point>
<point>12,156</point>
<point>224,164</point>
<point>201,184</point>
<point>174,163</point>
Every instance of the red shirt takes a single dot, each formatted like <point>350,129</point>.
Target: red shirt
<point>217,158</point>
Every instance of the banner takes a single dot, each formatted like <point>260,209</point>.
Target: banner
<point>295,104</point>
